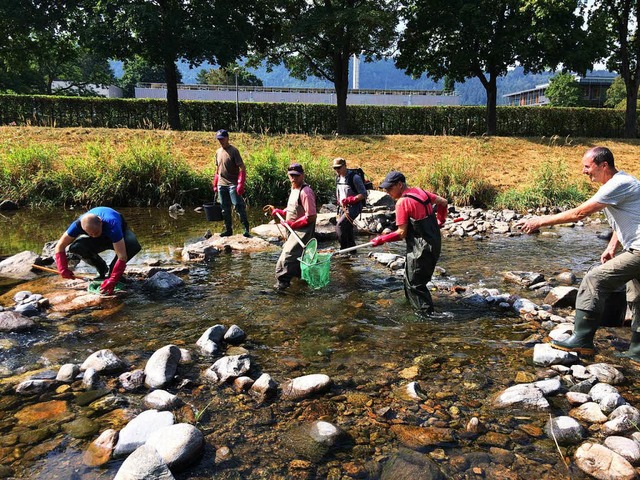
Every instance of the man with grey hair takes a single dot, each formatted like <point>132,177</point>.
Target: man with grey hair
<point>100,229</point>
<point>351,195</point>
<point>619,198</point>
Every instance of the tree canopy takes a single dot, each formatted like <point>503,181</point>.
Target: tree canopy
<point>620,20</point>
<point>483,38</point>
<point>227,76</point>
<point>319,38</point>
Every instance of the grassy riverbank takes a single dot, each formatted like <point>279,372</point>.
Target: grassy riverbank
<point>136,167</point>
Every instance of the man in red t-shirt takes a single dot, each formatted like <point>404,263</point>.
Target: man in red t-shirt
<point>419,223</point>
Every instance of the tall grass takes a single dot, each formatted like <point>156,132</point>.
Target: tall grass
<point>145,173</point>
<point>548,186</point>
<point>459,180</point>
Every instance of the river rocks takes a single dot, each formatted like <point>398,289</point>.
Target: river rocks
<point>144,464</point>
<point>132,381</point>
<point>68,372</point>
<point>209,341</point>
<point>544,354</point>
<point>561,297</point>
<point>103,361</point>
<point>206,249</point>
<point>178,445</point>
<point>81,427</point>
<point>162,366</point>
<point>565,430</point>
<point>11,321</point>
<point>577,398</point>
<point>625,447</point>
<point>566,278</point>
<point>312,440</point>
<point>410,392</point>
<point>263,388</point>
<point>34,415</point>
<point>550,386</point>
<point>228,367</point>
<point>99,451</point>
<point>621,420</point>
<point>161,400</point>
<point>302,387</point>
<point>407,464</point>
<point>91,379</point>
<point>602,463</point>
<point>606,373</point>
<point>18,267</point>
<point>163,282</point>
<point>525,396</point>
<point>234,335</point>
<point>138,430</point>
<point>589,412</point>
<point>34,387</point>
<point>420,438</point>
<point>526,279</point>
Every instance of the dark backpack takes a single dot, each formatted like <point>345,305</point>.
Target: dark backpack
<point>352,172</point>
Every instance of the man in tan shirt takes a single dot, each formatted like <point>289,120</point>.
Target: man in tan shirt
<point>229,182</point>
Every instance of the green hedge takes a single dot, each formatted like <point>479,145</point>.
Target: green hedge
<point>308,118</point>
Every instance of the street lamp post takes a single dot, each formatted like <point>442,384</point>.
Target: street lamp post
<point>235,71</point>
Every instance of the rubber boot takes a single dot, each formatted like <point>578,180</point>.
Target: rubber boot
<point>99,264</point>
<point>228,229</point>
<point>246,233</point>
<point>581,341</point>
<point>633,354</point>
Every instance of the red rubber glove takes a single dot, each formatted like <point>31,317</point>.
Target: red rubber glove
<point>241,181</point>
<point>278,211</point>
<point>389,237</point>
<point>109,284</point>
<point>299,223</point>
<point>216,177</point>
<point>349,201</point>
<point>63,266</point>
<point>441,215</point>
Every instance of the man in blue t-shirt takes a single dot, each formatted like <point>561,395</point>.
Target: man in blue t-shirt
<point>619,197</point>
<point>100,229</point>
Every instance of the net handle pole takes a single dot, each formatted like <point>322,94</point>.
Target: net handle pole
<point>345,250</point>
<point>283,222</point>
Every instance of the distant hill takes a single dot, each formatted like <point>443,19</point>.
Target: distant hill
<point>383,75</point>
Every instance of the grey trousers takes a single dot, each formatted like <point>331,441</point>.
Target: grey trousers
<point>608,278</point>
<point>288,265</point>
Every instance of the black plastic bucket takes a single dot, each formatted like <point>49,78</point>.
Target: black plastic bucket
<point>213,211</point>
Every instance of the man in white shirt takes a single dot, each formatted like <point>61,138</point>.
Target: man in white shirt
<point>619,197</point>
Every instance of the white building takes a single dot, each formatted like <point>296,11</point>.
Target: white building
<point>298,95</point>
<point>109,91</point>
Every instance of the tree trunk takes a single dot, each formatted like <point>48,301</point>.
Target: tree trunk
<point>492,94</point>
<point>341,84</point>
<point>631,112</point>
<point>172,94</point>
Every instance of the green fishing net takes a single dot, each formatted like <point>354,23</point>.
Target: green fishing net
<point>94,287</point>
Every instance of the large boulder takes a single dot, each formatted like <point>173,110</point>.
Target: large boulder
<point>163,282</point>
<point>18,267</point>
<point>138,430</point>
<point>602,463</point>
<point>15,322</point>
<point>144,464</point>
<point>178,445</point>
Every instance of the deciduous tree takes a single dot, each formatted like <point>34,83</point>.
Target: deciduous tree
<point>318,38</point>
<point>483,38</point>
<point>227,76</point>
<point>563,91</point>
<point>621,18</point>
<point>165,31</point>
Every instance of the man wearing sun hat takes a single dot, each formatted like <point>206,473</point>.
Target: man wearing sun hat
<point>419,223</point>
<point>229,182</point>
<point>300,215</point>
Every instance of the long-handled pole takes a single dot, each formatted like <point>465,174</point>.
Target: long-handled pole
<point>350,249</point>
<point>51,270</point>
<point>282,221</point>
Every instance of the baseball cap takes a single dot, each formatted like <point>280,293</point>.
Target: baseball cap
<point>295,169</point>
<point>222,133</point>
<point>339,162</point>
<point>392,178</point>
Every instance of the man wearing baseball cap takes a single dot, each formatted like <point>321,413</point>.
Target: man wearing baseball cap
<point>351,194</point>
<point>229,182</point>
<point>300,215</point>
<point>419,223</point>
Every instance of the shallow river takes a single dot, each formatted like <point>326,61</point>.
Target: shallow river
<point>359,330</point>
